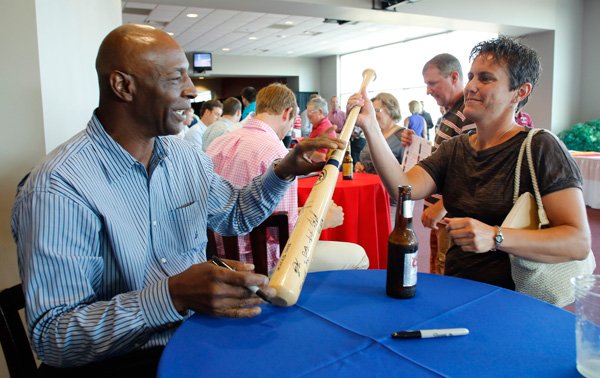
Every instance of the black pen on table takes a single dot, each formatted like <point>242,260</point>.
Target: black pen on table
<point>429,333</point>
<point>255,289</point>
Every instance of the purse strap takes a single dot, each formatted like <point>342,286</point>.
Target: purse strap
<point>526,148</point>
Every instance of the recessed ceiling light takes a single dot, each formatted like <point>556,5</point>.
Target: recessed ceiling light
<point>225,49</point>
<point>252,38</point>
<point>289,22</point>
<point>192,15</point>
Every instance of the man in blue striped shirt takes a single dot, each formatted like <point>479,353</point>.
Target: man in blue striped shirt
<point>111,226</point>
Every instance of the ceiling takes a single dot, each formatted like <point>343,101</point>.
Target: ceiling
<point>250,33</point>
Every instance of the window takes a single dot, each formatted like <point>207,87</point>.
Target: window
<point>399,67</point>
<point>203,96</point>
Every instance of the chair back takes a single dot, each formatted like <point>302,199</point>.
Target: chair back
<point>258,241</point>
<point>15,345</point>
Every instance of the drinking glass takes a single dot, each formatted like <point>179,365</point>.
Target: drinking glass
<point>587,328</point>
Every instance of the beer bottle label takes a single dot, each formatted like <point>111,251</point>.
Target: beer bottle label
<point>407,208</point>
<point>410,269</point>
<point>347,169</point>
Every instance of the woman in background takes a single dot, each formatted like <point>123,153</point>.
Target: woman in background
<point>387,112</point>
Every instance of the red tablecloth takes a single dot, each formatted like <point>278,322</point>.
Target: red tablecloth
<point>366,214</point>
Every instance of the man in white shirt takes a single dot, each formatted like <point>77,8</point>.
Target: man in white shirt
<point>210,112</point>
<point>232,112</point>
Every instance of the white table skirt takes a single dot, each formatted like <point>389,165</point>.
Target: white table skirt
<point>590,169</point>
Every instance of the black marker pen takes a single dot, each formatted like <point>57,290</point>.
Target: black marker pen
<point>428,333</point>
<point>218,262</point>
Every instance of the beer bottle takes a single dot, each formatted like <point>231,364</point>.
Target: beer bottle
<point>347,165</point>
<point>403,247</point>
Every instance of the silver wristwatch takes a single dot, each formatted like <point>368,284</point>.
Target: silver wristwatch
<point>498,238</point>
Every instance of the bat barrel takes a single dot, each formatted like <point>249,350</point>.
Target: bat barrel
<point>294,262</point>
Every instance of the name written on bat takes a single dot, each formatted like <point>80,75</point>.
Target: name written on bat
<point>314,224</point>
<point>296,266</point>
<point>322,177</point>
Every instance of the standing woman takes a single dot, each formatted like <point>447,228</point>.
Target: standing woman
<point>415,121</point>
<point>475,172</point>
<point>387,113</point>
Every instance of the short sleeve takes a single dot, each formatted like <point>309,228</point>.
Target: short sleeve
<point>555,167</point>
<point>436,165</point>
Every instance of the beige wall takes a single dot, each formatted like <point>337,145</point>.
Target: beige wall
<point>541,99</point>
<point>329,68</point>
<point>22,142</point>
<point>69,82</point>
<point>566,84</point>
<point>590,65</point>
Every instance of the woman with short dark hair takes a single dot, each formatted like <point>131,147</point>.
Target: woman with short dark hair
<point>475,173</point>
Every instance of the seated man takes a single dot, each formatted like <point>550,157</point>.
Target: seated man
<point>210,112</point>
<point>317,112</point>
<point>111,226</point>
<point>249,100</point>
<point>244,153</point>
<point>232,111</point>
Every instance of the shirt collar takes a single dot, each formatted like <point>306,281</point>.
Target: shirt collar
<point>254,123</point>
<point>458,104</point>
<point>323,121</point>
<point>226,121</point>
<point>114,158</point>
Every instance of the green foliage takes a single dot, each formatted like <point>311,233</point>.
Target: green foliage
<point>583,136</point>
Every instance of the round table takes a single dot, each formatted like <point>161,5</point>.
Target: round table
<point>342,323</point>
<point>366,214</point>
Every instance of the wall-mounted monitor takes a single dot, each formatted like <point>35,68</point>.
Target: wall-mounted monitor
<point>202,61</point>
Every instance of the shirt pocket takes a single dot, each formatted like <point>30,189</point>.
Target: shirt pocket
<point>189,228</point>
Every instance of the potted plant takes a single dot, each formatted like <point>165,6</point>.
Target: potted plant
<point>583,136</point>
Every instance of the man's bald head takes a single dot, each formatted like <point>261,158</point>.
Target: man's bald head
<point>131,48</point>
<point>145,88</point>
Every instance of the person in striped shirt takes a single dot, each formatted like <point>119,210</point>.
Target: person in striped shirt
<point>111,226</point>
<point>444,79</point>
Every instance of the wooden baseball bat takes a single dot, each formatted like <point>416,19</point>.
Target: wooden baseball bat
<point>294,262</point>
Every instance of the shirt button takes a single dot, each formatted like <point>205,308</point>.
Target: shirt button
<point>154,223</point>
<point>163,260</point>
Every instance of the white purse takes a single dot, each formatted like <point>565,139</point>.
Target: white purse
<point>548,282</point>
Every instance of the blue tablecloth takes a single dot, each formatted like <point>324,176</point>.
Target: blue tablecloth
<point>342,323</point>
